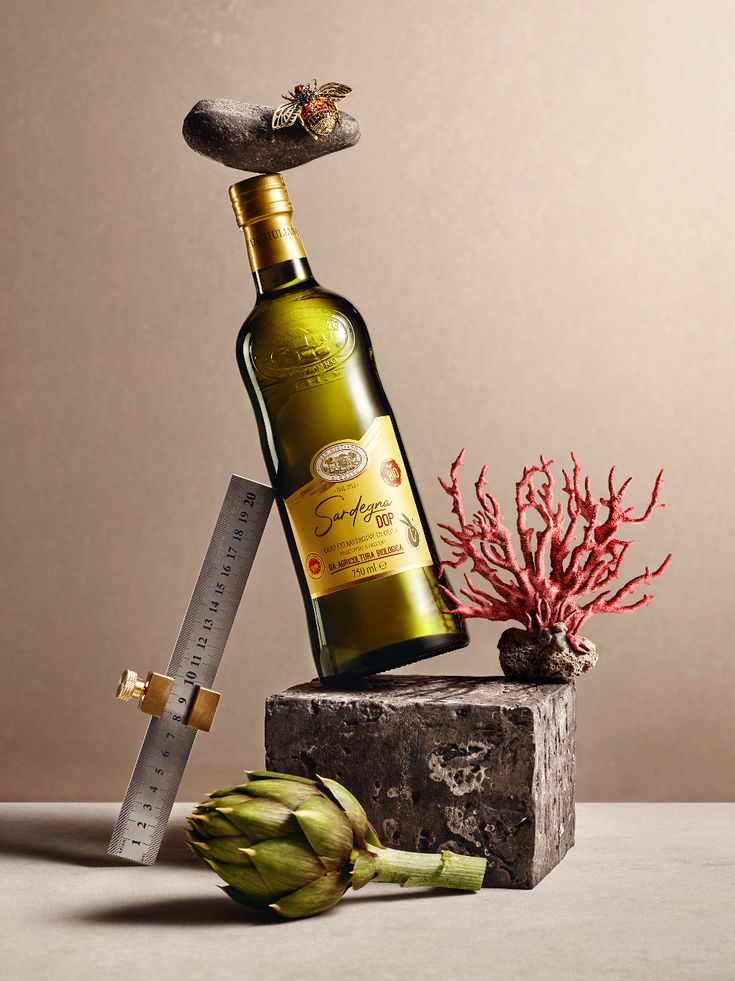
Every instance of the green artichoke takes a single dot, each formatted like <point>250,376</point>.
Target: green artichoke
<point>294,846</point>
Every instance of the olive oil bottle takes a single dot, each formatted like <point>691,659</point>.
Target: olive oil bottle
<point>360,542</point>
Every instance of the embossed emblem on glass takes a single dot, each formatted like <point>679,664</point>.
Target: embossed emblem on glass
<point>303,351</point>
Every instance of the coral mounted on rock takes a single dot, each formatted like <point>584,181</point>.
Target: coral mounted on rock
<point>575,552</point>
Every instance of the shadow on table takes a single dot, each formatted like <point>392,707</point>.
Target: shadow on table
<point>218,909</point>
<point>197,911</point>
<point>78,839</point>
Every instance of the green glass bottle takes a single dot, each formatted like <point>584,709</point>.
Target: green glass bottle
<point>359,539</point>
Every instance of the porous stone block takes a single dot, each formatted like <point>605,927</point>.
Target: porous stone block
<point>482,766</point>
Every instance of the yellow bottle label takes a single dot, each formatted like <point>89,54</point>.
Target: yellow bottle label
<point>357,518</point>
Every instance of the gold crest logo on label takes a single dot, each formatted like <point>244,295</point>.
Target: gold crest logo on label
<point>340,461</point>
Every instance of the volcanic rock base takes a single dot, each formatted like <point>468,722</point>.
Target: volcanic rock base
<point>548,657</point>
<point>482,766</point>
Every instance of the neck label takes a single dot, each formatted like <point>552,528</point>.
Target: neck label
<point>271,240</point>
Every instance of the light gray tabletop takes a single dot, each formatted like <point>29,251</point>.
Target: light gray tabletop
<point>647,892</point>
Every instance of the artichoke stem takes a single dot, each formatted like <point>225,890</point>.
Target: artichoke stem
<point>445,871</point>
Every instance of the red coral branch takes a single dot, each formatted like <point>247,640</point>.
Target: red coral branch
<point>583,557</point>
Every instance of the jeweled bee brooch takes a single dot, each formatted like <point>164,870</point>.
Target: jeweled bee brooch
<point>313,106</point>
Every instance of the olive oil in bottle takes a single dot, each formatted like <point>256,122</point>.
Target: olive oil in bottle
<point>359,539</point>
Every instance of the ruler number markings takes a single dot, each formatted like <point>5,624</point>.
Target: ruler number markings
<point>213,604</point>
<point>194,662</point>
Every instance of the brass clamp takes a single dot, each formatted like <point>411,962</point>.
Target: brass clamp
<point>152,695</point>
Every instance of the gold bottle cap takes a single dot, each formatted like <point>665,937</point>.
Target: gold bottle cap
<point>259,197</point>
<point>264,211</point>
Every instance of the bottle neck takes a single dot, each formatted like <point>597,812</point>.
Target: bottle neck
<point>276,254</point>
<point>283,276</point>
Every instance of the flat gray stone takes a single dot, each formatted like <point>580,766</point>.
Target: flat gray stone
<point>481,766</point>
<point>239,135</point>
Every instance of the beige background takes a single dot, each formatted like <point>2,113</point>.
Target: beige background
<point>538,226</point>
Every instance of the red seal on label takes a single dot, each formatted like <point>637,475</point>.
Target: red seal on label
<point>314,565</point>
<point>390,472</point>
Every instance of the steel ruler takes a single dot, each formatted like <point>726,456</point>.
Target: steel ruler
<point>197,653</point>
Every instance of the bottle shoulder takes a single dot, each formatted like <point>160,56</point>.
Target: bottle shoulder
<point>310,311</point>
<point>314,339</point>
<point>312,297</point>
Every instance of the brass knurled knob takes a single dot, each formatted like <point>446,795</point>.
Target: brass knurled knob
<point>129,686</point>
<point>152,694</point>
